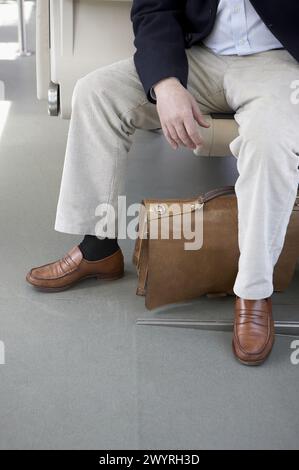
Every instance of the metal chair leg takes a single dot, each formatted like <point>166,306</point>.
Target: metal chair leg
<point>23,51</point>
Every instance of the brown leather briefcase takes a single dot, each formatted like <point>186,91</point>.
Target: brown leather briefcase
<point>168,273</point>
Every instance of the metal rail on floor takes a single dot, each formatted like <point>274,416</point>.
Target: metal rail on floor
<point>282,328</point>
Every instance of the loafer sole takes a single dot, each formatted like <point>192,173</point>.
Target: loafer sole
<point>102,277</point>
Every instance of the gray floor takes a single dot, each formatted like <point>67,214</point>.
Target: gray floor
<point>79,373</point>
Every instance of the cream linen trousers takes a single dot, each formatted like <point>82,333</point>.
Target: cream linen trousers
<point>110,103</point>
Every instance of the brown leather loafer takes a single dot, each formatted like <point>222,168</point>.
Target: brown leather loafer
<point>66,272</point>
<point>253,330</point>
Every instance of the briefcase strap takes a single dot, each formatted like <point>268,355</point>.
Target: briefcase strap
<point>226,190</point>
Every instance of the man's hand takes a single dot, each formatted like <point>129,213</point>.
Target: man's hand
<point>179,114</point>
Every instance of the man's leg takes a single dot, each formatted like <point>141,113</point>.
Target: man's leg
<point>267,149</point>
<point>108,106</point>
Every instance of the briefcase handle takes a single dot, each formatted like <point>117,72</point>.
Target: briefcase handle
<point>226,190</point>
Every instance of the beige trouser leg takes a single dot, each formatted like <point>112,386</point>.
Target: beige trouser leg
<point>108,106</point>
<point>259,89</point>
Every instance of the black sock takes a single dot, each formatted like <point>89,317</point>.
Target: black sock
<point>94,249</point>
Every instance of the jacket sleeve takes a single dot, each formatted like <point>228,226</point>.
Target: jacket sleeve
<point>159,41</point>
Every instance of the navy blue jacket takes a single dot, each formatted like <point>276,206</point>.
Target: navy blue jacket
<point>165,28</point>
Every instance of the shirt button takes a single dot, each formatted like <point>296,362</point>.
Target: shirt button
<point>241,42</point>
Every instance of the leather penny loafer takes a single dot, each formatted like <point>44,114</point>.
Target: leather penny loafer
<point>253,330</point>
<point>72,268</point>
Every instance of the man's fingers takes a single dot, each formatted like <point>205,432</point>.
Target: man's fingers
<point>199,117</point>
<point>182,129</point>
<point>168,137</point>
<point>174,135</point>
<point>183,135</point>
<point>193,131</point>
<point>186,135</point>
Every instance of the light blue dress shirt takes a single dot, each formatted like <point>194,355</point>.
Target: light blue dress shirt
<point>239,30</point>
